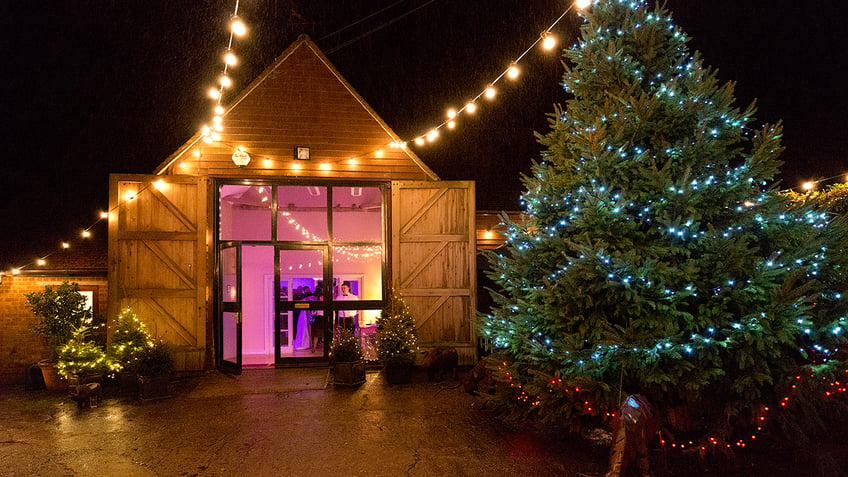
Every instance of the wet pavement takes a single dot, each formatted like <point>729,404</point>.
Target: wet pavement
<point>285,422</point>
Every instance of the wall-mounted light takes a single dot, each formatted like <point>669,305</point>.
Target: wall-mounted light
<point>301,153</point>
<point>241,158</point>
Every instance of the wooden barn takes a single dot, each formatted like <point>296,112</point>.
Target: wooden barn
<point>224,261</point>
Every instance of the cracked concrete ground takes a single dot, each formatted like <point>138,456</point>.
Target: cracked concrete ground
<point>270,423</point>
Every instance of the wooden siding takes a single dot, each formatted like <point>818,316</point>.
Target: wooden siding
<point>301,100</point>
<point>157,259</point>
<point>433,261</point>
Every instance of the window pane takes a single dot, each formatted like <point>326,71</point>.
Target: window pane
<point>302,213</point>
<point>362,269</point>
<point>245,212</point>
<point>357,214</point>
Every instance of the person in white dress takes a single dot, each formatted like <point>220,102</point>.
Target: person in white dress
<point>303,338</point>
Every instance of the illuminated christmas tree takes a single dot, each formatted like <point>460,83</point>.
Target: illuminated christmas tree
<point>129,341</point>
<point>657,257</point>
<point>397,337</point>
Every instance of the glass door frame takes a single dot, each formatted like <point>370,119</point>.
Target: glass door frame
<point>229,367</point>
<point>283,306</point>
<point>329,306</point>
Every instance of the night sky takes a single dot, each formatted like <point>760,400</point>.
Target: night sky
<point>114,86</point>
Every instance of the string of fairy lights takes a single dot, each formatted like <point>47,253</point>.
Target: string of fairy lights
<point>548,41</point>
<point>836,387</point>
<point>238,29</point>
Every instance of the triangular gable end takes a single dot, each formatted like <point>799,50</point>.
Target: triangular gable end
<point>301,101</point>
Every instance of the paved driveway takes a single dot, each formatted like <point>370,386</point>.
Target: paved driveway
<point>278,423</point>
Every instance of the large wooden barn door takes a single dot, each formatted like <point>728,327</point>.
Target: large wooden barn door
<point>158,261</point>
<point>433,261</point>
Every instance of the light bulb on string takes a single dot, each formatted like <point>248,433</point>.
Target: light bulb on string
<point>214,93</point>
<point>419,140</point>
<point>432,135</point>
<point>451,124</point>
<point>225,81</point>
<point>583,4</point>
<point>451,113</point>
<point>471,108</point>
<point>549,41</point>
<point>41,262</point>
<point>86,234</point>
<point>513,72</point>
<point>237,26</point>
<point>219,110</point>
<point>230,58</point>
<point>490,92</point>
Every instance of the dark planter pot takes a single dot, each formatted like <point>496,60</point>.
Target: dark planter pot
<point>349,373</point>
<point>80,391</point>
<point>81,379</point>
<point>153,387</point>
<point>52,380</point>
<point>398,373</point>
<point>129,382</point>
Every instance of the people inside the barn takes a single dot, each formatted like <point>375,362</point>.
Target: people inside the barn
<point>316,321</point>
<point>348,318</point>
<point>303,337</point>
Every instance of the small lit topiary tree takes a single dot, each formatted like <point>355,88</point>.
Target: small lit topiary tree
<point>80,355</point>
<point>397,340</point>
<point>129,341</point>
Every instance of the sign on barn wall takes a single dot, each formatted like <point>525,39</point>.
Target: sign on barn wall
<point>157,259</point>
<point>433,261</point>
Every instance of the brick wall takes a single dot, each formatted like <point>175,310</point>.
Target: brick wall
<point>19,346</point>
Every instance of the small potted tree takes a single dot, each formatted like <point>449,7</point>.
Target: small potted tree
<point>346,357</point>
<point>60,310</point>
<point>154,367</point>
<point>129,340</point>
<point>81,361</point>
<point>397,340</point>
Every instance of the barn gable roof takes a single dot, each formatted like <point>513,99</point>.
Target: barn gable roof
<point>301,100</point>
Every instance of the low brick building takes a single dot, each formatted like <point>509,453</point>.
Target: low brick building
<point>84,263</point>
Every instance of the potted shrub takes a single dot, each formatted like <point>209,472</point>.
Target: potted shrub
<point>346,357</point>
<point>154,367</point>
<point>397,340</point>
<point>129,340</point>
<point>60,310</point>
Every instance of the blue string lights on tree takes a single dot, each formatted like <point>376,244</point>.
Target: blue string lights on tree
<point>656,258</point>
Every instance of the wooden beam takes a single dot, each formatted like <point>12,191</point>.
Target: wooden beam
<point>421,211</point>
<point>423,264</point>
<point>180,329</point>
<point>187,222</point>
<point>172,265</point>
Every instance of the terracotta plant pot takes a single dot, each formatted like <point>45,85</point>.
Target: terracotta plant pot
<point>349,373</point>
<point>52,380</point>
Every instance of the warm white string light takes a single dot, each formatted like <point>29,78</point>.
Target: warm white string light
<point>237,29</point>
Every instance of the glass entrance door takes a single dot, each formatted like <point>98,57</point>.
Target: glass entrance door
<point>301,305</point>
<point>231,308</point>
